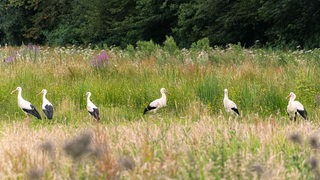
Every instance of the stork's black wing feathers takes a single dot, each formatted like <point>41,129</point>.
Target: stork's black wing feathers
<point>148,108</point>
<point>235,110</point>
<point>32,111</point>
<point>303,113</point>
<point>48,111</point>
<point>95,113</point>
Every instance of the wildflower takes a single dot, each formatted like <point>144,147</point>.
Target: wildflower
<point>36,48</point>
<point>32,48</point>
<point>11,58</point>
<point>100,60</point>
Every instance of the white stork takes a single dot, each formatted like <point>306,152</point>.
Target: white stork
<point>229,105</point>
<point>92,109</point>
<point>158,103</point>
<point>295,107</point>
<point>47,107</point>
<point>26,106</point>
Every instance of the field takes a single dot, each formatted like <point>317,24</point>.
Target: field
<point>191,138</point>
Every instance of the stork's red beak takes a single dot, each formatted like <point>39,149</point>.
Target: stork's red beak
<point>13,91</point>
<point>288,96</point>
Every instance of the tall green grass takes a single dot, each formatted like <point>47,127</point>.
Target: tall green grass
<point>258,80</point>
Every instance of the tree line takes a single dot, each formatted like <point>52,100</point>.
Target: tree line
<point>279,23</point>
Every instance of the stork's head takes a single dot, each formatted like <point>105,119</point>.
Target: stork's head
<point>163,91</point>
<point>291,96</point>
<point>225,91</point>
<point>44,91</point>
<point>88,93</point>
<point>19,89</point>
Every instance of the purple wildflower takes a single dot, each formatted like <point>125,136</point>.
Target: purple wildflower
<point>29,46</point>
<point>100,60</point>
<point>11,58</point>
<point>31,50</point>
<point>32,47</point>
<point>36,48</point>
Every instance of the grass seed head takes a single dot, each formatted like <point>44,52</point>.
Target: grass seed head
<point>47,147</point>
<point>314,142</point>
<point>313,162</point>
<point>79,146</point>
<point>126,163</point>
<point>35,173</point>
<point>258,168</point>
<point>295,138</point>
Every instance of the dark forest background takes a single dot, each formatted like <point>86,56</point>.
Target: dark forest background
<point>276,23</point>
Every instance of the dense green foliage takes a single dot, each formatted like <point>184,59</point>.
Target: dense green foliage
<point>283,23</point>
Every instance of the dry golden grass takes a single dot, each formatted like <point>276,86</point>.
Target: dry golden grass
<point>154,148</point>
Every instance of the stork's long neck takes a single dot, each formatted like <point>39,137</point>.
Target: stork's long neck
<point>19,96</point>
<point>163,96</point>
<point>292,98</point>
<point>44,97</point>
<point>88,99</point>
<point>225,96</point>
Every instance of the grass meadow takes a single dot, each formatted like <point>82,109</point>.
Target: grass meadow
<point>191,138</point>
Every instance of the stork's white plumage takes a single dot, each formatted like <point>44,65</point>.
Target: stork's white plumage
<point>92,109</point>
<point>26,106</point>
<point>229,105</point>
<point>47,107</point>
<point>155,105</point>
<point>295,107</point>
